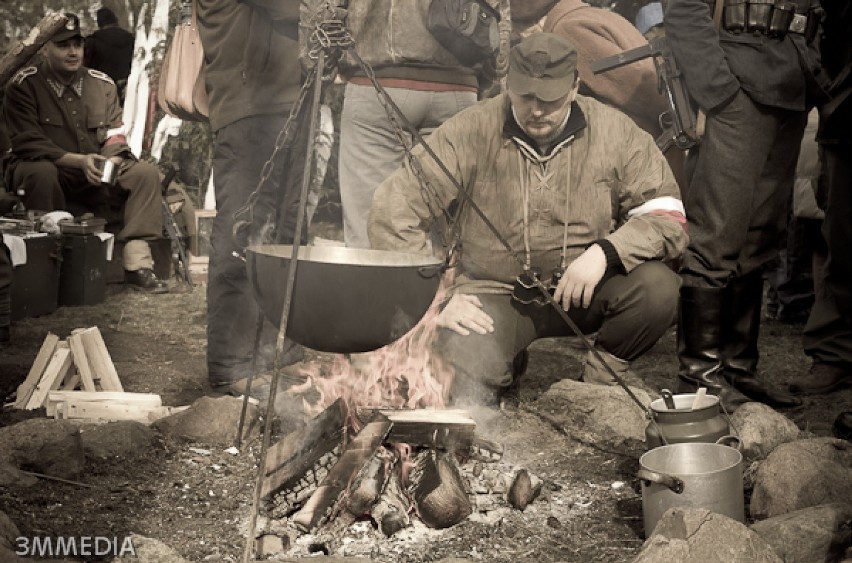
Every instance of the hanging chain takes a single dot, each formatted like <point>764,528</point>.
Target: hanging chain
<point>330,35</point>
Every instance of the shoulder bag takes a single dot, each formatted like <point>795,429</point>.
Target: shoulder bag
<point>182,91</point>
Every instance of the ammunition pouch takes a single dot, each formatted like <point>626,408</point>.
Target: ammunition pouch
<point>772,18</point>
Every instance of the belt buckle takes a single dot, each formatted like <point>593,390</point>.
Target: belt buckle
<point>799,23</point>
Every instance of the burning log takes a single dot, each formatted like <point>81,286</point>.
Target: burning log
<point>298,462</point>
<point>325,501</point>
<point>370,482</point>
<point>439,492</point>
<point>391,512</point>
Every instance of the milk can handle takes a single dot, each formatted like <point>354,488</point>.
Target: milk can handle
<point>670,481</point>
<point>731,441</point>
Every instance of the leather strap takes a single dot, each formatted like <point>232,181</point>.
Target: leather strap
<point>701,118</point>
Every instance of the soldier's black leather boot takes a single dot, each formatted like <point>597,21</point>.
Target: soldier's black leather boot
<point>699,346</point>
<point>742,301</point>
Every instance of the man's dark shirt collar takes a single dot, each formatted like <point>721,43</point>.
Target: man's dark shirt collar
<point>576,122</point>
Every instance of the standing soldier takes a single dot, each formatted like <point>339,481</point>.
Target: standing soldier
<point>754,78</point>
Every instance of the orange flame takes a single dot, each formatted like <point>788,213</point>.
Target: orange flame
<point>403,374</point>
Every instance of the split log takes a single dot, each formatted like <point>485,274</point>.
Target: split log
<point>21,53</point>
<point>370,482</point>
<point>324,503</point>
<point>438,490</point>
<point>391,511</point>
<point>57,369</point>
<point>294,461</point>
<point>147,401</point>
<point>99,359</point>
<point>75,342</point>
<point>25,389</point>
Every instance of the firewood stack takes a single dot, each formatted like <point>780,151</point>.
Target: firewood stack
<point>427,462</point>
<point>76,379</point>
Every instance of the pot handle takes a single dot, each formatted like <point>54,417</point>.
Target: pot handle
<point>670,481</point>
<point>731,441</point>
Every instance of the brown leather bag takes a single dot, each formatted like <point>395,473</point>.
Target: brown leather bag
<point>182,91</point>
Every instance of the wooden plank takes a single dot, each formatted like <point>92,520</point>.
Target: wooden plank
<point>117,397</point>
<point>100,360</point>
<point>75,341</point>
<point>92,410</point>
<point>25,389</point>
<point>55,372</point>
<point>433,428</point>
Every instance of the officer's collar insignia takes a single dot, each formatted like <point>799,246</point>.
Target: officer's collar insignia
<point>59,89</point>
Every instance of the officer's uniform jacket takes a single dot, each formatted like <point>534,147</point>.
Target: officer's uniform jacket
<point>607,182</point>
<point>778,72</point>
<point>46,119</point>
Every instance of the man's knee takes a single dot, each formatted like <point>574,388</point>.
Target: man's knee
<point>40,181</point>
<point>482,371</point>
<point>141,176</point>
<point>657,289</point>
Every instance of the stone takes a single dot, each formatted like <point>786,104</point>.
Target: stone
<point>11,476</point>
<point>211,420</point>
<point>42,445</point>
<point>801,474</point>
<point>762,429</point>
<point>122,439</point>
<point>692,535</point>
<point>600,415</point>
<point>811,535</point>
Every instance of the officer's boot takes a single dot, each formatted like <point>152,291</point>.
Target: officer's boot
<point>699,345</point>
<point>742,304</point>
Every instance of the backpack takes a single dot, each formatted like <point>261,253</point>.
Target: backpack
<point>469,29</point>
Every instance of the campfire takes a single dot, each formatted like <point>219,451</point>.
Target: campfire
<point>390,465</point>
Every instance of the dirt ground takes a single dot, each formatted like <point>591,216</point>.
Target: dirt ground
<point>199,504</point>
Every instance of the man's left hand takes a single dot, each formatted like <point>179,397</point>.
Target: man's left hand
<point>580,279</point>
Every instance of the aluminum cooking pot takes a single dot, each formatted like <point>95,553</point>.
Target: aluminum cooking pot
<point>695,474</point>
<point>345,300</point>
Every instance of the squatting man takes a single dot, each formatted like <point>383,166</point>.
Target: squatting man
<point>578,191</point>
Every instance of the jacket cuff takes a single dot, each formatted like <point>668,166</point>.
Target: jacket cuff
<point>613,260</point>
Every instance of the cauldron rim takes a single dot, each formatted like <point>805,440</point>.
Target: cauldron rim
<point>332,254</point>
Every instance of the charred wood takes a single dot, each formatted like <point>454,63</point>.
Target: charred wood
<point>438,490</point>
<point>297,454</point>
<point>525,488</point>
<point>326,501</point>
<point>391,512</point>
<point>483,449</point>
<point>370,482</point>
<point>289,499</point>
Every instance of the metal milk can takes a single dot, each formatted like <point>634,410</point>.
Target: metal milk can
<point>679,422</point>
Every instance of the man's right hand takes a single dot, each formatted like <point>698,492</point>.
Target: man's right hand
<point>464,313</point>
<point>89,164</point>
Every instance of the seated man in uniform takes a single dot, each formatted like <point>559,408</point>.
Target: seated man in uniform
<point>64,121</point>
<point>577,191</point>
